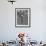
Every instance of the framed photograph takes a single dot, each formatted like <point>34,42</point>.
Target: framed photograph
<point>22,17</point>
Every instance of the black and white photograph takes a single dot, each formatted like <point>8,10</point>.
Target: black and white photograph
<point>22,17</point>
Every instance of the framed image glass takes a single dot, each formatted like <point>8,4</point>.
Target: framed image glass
<point>22,17</point>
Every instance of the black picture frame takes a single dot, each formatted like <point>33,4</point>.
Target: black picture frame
<point>22,17</point>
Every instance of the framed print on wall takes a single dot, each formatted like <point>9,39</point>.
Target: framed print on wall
<point>22,17</point>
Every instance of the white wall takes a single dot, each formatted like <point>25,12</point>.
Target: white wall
<point>8,31</point>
